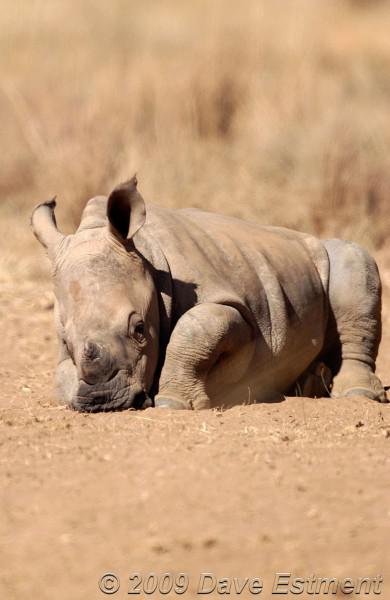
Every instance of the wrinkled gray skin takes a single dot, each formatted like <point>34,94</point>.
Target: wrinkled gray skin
<point>198,310</point>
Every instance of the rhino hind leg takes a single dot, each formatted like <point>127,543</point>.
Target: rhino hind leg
<point>355,321</point>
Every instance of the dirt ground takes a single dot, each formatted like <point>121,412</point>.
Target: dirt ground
<point>301,486</point>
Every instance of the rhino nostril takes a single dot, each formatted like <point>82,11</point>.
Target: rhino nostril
<point>91,350</point>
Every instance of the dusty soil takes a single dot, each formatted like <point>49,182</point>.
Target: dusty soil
<point>301,486</point>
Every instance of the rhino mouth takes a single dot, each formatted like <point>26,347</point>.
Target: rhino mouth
<point>113,395</point>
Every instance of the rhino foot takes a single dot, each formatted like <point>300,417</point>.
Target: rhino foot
<point>359,382</point>
<point>381,397</point>
<point>172,403</point>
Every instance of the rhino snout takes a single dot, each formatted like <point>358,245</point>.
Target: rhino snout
<point>96,363</point>
<point>115,394</point>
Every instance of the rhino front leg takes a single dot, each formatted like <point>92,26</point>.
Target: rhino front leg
<point>207,336</point>
<point>66,380</point>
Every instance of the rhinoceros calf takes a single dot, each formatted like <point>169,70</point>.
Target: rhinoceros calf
<point>199,310</point>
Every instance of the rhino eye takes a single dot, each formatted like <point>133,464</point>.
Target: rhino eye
<point>136,328</point>
<point>139,331</point>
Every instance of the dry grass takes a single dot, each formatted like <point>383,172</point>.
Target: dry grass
<point>273,110</point>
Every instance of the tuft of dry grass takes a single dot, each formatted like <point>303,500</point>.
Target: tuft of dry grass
<point>274,111</point>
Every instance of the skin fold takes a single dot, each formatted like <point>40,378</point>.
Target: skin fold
<point>188,309</point>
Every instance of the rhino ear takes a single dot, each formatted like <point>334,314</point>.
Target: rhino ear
<point>125,210</point>
<point>44,226</point>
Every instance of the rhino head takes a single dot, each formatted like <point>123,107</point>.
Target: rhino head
<point>106,306</point>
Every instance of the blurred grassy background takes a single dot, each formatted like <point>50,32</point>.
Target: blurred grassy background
<point>277,111</point>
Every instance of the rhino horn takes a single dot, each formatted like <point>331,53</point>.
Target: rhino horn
<point>44,226</point>
<point>125,210</point>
